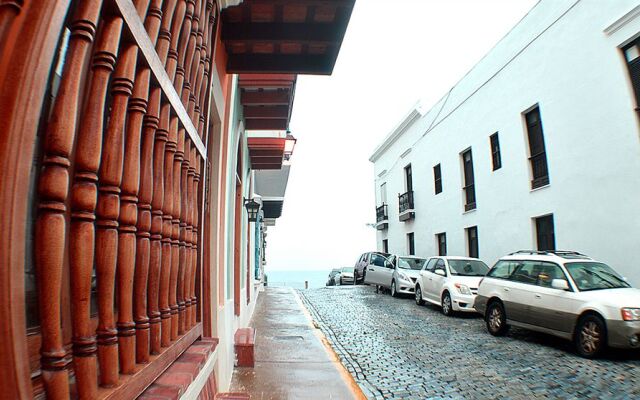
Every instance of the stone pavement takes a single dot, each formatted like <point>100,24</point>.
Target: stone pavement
<point>397,349</point>
<point>291,362</point>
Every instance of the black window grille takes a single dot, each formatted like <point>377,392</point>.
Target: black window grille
<point>469,181</point>
<point>381,213</point>
<point>472,241</point>
<point>495,151</point>
<point>405,202</point>
<point>437,178</point>
<point>442,244</point>
<point>537,150</point>
<point>412,249</point>
<point>545,233</point>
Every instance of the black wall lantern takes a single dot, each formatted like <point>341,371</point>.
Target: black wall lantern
<point>253,208</point>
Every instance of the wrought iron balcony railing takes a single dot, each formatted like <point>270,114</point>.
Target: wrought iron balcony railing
<point>405,201</point>
<point>381,213</point>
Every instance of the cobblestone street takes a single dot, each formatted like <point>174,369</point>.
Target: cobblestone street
<point>396,349</point>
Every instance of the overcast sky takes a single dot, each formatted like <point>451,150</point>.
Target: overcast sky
<point>394,53</point>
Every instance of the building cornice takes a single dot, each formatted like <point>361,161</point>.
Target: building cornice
<point>415,113</point>
<point>622,21</point>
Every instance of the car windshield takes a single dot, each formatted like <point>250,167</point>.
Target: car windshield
<point>411,263</point>
<point>595,276</point>
<point>347,269</point>
<point>468,267</point>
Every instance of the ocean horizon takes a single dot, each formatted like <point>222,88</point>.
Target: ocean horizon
<point>297,278</point>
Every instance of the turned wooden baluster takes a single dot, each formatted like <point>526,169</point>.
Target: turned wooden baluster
<point>182,196</point>
<point>83,205</point>
<point>164,34</point>
<point>190,57</point>
<point>171,61</point>
<point>143,245</point>
<point>9,10</point>
<point>167,209</point>
<point>53,189</point>
<point>207,48</point>
<point>190,253</point>
<point>155,261</point>
<point>108,211</point>
<point>194,99</point>
<point>153,20</point>
<point>195,223</point>
<point>185,35</point>
<point>175,235</point>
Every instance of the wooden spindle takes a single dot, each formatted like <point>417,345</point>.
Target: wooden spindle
<point>175,230</point>
<point>195,219</point>
<point>53,189</point>
<point>164,33</point>
<point>143,244</point>
<point>185,35</point>
<point>190,55</point>
<point>154,19</point>
<point>167,208</point>
<point>9,10</point>
<point>190,250</point>
<point>184,166</point>
<point>128,220</point>
<point>155,260</point>
<point>108,211</point>
<point>83,205</point>
<point>171,62</point>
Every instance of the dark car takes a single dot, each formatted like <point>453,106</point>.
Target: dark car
<point>372,257</point>
<point>334,277</point>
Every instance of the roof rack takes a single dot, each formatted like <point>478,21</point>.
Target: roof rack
<point>560,253</point>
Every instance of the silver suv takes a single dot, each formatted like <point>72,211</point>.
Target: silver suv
<point>562,293</point>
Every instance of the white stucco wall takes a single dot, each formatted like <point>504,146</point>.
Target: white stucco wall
<point>565,57</point>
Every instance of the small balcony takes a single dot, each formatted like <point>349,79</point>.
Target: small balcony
<point>405,206</point>
<point>382,217</point>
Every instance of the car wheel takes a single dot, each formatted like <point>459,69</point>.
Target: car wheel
<point>394,293</point>
<point>496,319</point>
<point>591,336</point>
<point>447,306</point>
<point>419,300</point>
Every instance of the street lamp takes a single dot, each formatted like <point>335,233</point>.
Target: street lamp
<point>253,207</point>
<point>289,144</point>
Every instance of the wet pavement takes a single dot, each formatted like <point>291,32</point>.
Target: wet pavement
<point>291,361</point>
<point>397,349</point>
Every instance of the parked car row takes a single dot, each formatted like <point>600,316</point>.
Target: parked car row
<point>562,293</point>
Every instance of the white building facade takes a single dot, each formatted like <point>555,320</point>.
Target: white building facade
<point>537,147</point>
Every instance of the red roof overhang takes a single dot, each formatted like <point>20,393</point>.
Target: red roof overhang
<point>266,153</point>
<point>285,36</point>
<point>267,100</point>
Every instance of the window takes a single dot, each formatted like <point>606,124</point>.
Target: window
<point>525,272</point>
<point>408,180</point>
<point>495,151</point>
<point>431,265</point>
<point>412,249</point>
<point>502,269</point>
<point>545,233</point>
<point>632,55</point>
<point>437,178</point>
<point>440,266</point>
<point>469,189</point>
<point>548,272</point>
<point>441,238</point>
<point>472,241</point>
<point>383,193</point>
<point>538,155</point>
<point>385,245</point>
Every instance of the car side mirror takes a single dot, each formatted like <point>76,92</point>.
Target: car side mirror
<point>560,284</point>
<point>440,272</point>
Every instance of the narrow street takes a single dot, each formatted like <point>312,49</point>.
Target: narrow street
<point>397,349</point>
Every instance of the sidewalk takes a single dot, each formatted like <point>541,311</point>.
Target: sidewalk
<point>291,362</point>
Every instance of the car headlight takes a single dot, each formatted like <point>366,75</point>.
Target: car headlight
<point>463,289</point>
<point>404,276</point>
<point>630,314</point>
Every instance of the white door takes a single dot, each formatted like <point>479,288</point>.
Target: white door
<point>436,281</point>
<point>426,274</point>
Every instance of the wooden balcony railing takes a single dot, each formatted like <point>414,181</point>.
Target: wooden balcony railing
<point>118,182</point>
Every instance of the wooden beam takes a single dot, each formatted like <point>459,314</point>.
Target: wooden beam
<point>281,32</point>
<point>282,63</point>
<point>267,124</point>
<point>271,98</point>
<point>266,112</point>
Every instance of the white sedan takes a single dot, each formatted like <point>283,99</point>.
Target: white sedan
<point>450,282</point>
